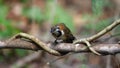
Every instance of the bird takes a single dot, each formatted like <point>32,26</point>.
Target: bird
<point>62,33</point>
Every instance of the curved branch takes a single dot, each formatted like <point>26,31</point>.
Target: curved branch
<point>103,49</point>
<point>32,39</point>
<point>104,31</point>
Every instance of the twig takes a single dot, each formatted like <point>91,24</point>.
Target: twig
<point>98,35</point>
<point>104,31</point>
<point>101,33</point>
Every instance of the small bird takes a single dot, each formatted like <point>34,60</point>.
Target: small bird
<point>62,33</point>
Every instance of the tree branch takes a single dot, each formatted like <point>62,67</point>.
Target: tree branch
<point>96,36</point>
<point>104,49</point>
<point>26,41</point>
<point>34,40</point>
<point>102,32</point>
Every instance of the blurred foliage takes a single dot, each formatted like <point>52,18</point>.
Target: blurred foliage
<point>61,16</point>
<point>20,52</point>
<point>8,28</point>
<point>1,58</point>
<point>1,2</point>
<point>98,5</point>
<point>24,1</point>
<point>34,13</point>
<point>94,24</point>
<point>83,66</point>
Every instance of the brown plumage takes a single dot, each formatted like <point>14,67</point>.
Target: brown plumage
<point>62,33</point>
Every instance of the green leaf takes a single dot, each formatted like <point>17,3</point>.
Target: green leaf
<point>9,29</point>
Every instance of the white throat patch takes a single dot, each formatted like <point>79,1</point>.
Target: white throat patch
<point>62,32</point>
